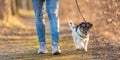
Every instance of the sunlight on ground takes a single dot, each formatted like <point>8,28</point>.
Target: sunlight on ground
<point>28,12</point>
<point>12,24</point>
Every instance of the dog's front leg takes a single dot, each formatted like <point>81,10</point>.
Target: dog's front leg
<point>86,44</point>
<point>75,42</point>
<point>81,44</point>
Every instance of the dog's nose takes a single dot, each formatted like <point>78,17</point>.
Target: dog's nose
<point>86,32</point>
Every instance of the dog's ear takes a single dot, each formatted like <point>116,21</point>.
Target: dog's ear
<point>82,24</point>
<point>90,25</point>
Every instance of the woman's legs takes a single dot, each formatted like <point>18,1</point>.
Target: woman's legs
<point>40,25</point>
<point>52,10</point>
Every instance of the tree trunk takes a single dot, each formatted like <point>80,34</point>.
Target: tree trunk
<point>4,9</point>
<point>29,5</point>
<point>24,4</point>
<point>14,7</point>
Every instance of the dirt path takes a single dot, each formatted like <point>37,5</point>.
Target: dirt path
<point>21,43</point>
<point>17,43</point>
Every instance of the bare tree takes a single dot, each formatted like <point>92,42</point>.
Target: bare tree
<point>4,9</point>
<point>25,4</point>
<point>29,5</point>
<point>14,7</point>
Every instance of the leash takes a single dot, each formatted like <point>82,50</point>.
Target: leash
<point>79,10</point>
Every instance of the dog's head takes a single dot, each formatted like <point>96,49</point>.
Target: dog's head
<point>85,27</point>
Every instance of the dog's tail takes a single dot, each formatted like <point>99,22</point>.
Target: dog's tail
<point>71,25</point>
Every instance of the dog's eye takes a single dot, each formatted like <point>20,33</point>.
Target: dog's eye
<point>88,25</point>
<point>83,25</point>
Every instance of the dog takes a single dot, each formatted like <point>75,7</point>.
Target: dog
<point>80,34</point>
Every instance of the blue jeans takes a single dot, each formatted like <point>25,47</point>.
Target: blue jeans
<point>52,10</point>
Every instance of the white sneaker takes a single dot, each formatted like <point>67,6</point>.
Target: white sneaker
<point>55,49</point>
<point>42,49</point>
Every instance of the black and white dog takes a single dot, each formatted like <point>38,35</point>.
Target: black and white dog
<point>80,34</point>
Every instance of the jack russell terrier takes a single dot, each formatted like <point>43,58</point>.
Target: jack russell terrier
<point>80,34</point>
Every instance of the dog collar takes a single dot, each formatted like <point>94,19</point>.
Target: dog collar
<point>80,34</point>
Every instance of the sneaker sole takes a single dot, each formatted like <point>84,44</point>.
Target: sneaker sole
<point>42,52</point>
<point>57,53</point>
